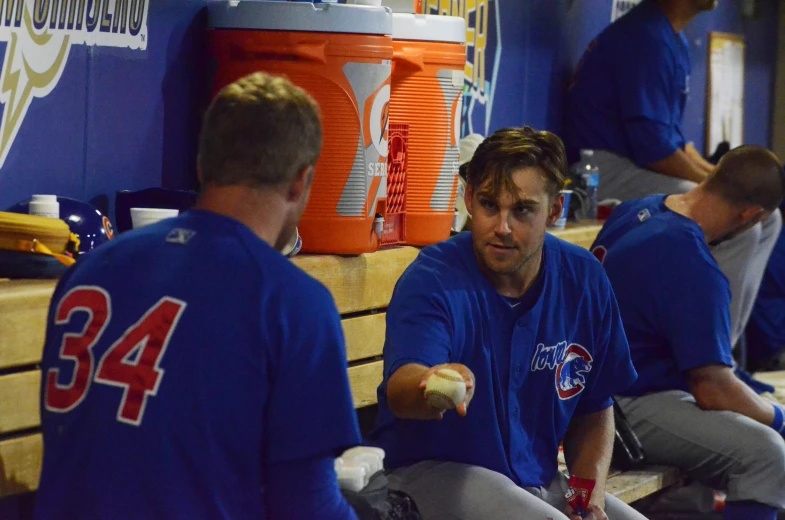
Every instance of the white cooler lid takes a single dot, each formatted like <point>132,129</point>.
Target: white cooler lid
<point>429,28</point>
<point>299,16</point>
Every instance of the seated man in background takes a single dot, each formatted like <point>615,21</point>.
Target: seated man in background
<point>687,407</point>
<point>190,370</point>
<point>627,103</point>
<point>532,325</point>
<point>627,99</point>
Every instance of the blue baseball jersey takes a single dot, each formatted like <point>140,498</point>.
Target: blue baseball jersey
<point>630,88</point>
<point>766,327</point>
<point>183,361</point>
<point>674,300</point>
<point>538,362</point>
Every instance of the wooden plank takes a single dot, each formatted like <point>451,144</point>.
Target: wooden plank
<point>364,380</point>
<point>635,485</point>
<point>772,378</point>
<point>579,233</point>
<point>777,380</point>
<point>23,308</point>
<point>364,336</point>
<point>19,406</point>
<point>20,464</point>
<point>359,283</point>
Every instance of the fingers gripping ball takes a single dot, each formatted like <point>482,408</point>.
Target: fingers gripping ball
<point>445,389</point>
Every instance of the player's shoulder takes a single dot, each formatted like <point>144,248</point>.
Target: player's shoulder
<point>197,235</point>
<point>442,264</point>
<point>575,271</point>
<point>568,257</point>
<point>643,30</point>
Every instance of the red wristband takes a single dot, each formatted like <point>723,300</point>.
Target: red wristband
<point>579,494</point>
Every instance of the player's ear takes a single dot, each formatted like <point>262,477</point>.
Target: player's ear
<point>468,194</point>
<point>753,214</point>
<point>556,209</point>
<point>300,185</point>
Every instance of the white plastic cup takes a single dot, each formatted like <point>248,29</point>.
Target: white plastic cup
<point>294,245</point>
<point>45,206</point>
<point>562,222</point>
<point>141,217</point>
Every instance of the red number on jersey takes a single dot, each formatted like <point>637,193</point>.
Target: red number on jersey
<point>77,347</point>
<point>147,340</point>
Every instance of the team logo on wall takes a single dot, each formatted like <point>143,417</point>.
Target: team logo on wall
<point>571,363</point>
<point>483,56</point>
<point>39,35</point>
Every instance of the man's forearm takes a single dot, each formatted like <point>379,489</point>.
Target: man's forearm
<point>698,159</point>
<point>681,166</point>
<point>718,389</point>
<point>588,448</point>
<point>404,396</point>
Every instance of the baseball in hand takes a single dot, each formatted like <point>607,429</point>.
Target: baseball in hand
<point>445,389</point>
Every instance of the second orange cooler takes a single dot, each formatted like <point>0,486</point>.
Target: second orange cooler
<point>427,95</point>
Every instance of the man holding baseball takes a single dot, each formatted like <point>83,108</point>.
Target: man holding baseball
<point>688,408</point>
<point>191,371</point>
<point>531,324</point>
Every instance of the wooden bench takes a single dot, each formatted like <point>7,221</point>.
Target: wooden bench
<point>361,286</point>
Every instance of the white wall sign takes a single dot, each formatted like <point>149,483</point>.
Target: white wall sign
<point>620,8</point>
<point>39,36</point>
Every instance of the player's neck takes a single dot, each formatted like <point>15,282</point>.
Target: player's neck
<point>260,210</point>
<point>515,285</point>
<point>678,12</point>
<point>702,207</point>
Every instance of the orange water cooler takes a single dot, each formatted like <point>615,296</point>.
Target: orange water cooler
<point>427,86</point>
<point>341,55</point>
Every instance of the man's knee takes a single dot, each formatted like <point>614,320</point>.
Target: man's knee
<point>767,456</point>
<point>761,470</point>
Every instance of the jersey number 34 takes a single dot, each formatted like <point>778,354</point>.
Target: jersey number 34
<point>139,377</point>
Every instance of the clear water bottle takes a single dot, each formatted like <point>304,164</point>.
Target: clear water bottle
<point>590,174</point>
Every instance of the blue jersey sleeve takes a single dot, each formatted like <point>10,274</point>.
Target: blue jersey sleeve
<point>612,370</point>
<point>305,490</point>
<point>418,323</point>
<point>311,412</point>
<point>694,313</point>
<point>646,83</point>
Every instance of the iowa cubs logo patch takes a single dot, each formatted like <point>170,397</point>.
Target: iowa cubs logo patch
<point>571,365</point>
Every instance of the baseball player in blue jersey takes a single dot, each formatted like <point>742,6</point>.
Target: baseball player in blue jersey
<point>191,371</point>
<point>627,103</point>
<point>531,323</point>
<point>687,406</point>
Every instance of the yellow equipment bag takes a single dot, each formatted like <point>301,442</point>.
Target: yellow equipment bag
<point>39,235</point>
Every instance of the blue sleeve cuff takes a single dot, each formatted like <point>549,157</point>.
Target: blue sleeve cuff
<point>593,405</point>
<point>650,141</point>
<point>302,490</point>
<point>398,363</point>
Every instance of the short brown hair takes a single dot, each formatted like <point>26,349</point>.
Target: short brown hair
<point>259,131</point>
<point>511,149</point>
<point>749,175</point>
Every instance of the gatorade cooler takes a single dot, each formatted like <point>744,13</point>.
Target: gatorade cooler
<point>341,55</point>
<point>427,85</point>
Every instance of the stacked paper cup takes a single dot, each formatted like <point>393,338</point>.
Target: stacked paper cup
<point>357,465</point>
